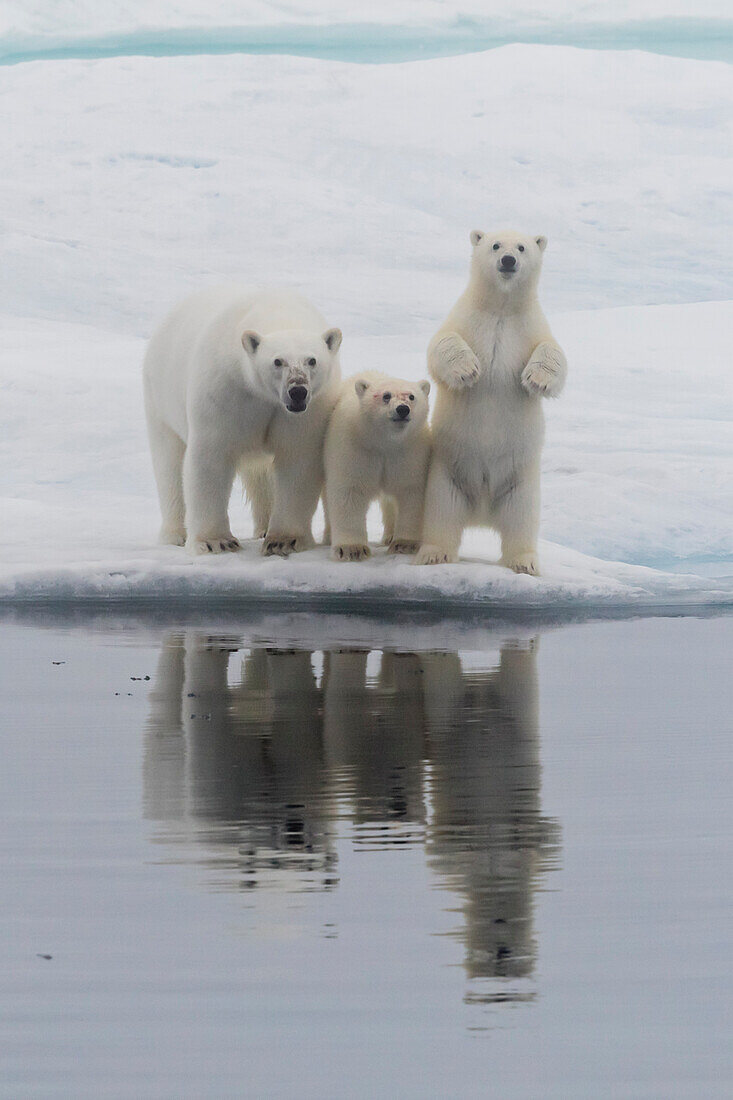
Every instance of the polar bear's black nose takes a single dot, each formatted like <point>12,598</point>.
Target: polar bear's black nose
<point>403,411</point>
<point>508,262</point>
<point>297,394</point>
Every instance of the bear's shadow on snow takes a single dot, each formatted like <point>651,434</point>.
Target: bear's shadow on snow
<point>257,756</point>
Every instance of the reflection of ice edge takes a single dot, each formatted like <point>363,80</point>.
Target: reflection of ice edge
<point>369,43</point>
<point>256,768</point>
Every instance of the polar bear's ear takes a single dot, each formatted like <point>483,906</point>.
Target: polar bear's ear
<point>251,341</point>
<point>541,243</point>
<point>332,338</point>
<point>361,386</point>
<point>424,386</point>
<point>476,236</point>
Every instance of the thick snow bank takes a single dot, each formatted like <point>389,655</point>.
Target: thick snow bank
<point>637,466</point>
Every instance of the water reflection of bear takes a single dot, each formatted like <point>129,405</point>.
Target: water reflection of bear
<point>265,759</point>
<point>265,756</point>
<point>374,732</point>
<point>245,759</point>
<point>486,835</point>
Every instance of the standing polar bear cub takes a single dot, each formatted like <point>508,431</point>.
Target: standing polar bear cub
<point>377,445</point>
<point>235,377</point>
<point>493,359</point>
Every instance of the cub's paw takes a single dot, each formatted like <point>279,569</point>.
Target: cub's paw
<point>403,546</point>
<point>172,536</point>
<point>523,563</point>
<point>215,544</point>
<point>284,545</point>
<point>434,555</point>
<point>352,552</point>
<point>544,374</point>
<point>462,371</point>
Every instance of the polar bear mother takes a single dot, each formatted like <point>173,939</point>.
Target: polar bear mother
<point>236,377</point>
<point>493,360</point>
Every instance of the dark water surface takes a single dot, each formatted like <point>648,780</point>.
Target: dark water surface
<point>315,858</point>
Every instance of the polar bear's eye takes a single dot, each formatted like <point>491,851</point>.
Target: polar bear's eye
<point>386,397</point>
<point>520,247</point>
<point>311,362</point>
<point>412,397</point>
<point>497,246</point>
<point>278,362</point>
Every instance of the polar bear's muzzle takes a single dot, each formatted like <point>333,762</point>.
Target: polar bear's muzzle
<point>401,414</point>
<point>508,265</point>
<point>297,398</point>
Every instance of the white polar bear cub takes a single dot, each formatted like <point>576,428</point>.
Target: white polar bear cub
<point>377,445</point>
<point>493,359</point>
<point>235,376</point>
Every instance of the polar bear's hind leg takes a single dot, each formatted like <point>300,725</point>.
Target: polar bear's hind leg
<point>167,450</point>
<point>257,481</point>
<point>446,513</point>
<point>388,506</point>
<point>516,516</point>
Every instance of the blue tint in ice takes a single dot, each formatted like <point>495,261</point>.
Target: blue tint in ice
<point>367,43</point>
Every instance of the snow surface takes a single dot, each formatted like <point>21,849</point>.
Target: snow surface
<point>129,181</point>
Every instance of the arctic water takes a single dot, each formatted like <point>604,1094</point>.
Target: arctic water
<point>321,856</point>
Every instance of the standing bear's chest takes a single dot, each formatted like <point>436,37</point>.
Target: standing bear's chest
<point>501,346</point>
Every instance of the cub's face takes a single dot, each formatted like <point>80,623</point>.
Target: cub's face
<point>292,366</point>
<point>394,407</point>
<point>507,260</point>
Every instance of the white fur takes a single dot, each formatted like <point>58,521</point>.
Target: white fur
<point>215,402</point>
<point>493,359</point>
<point>371,453</point>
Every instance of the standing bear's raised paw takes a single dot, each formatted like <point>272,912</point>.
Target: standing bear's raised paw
<point>453,362</point>
<point>283,546</point>
<point>462,370</point>
<point>214,544</point>
<point>544,375</point>
<point>352,552</point>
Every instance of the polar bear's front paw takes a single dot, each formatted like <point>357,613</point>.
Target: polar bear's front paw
<point>544,375</point>
<point>402,546</point>
<point>358,551</point>
<point>434,555</point>
<point>462,371</point>
<point>215,544</point>
<point>284,545</point>
<point>523,563</point>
